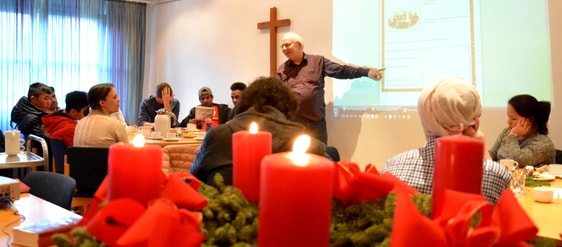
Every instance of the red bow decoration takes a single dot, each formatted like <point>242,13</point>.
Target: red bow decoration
<point>352,186</point>
<point>166,222</point>
<point>506,224</point>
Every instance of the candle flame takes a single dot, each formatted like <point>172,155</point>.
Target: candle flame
<point>299,150</point>
<point>253,128</point>
<point>138,141</point>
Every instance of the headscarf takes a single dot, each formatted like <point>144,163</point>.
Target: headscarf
<point>448,104</point>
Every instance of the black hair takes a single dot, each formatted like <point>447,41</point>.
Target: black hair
<point>529,107</point>
<point>38,88</point>
<point>76,100</point>
<point>238,86</point>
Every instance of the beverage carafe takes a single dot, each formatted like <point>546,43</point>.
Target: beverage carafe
<point>162,122</point>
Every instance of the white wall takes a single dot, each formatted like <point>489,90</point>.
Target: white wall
<point>195,43</point>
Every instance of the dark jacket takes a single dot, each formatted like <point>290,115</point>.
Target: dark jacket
<point>215,153</point>
<point>224,111</point>
<point>27,118</point>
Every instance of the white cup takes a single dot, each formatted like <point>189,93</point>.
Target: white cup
<point>171,136</point>
<point>191,127</point>
<point>544,194</point>
<point>200,135</point>
<point>555,169</point>
<point>509,163</point>
<point>13,143</point>
<point>145,130</point>
<point>156,135</point>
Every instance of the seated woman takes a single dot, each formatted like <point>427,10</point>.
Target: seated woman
<point>99,129</point>
<point>449,106</point>
<point>525,139</point>
<point>269,103</point>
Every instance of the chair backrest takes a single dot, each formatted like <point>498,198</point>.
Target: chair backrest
<point>178,157</point>
<point>58,149</point>
<point>558,156</point>
<point>333,153</point>
<point>42,147</point>
<point>53,187</point>
<point>88,165</point>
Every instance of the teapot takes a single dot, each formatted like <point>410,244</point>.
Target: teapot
<point>162,121</point>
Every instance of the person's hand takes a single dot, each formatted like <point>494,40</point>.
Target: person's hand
<point>167,95</point>
<point>523,128</point>
<point>375,74</point>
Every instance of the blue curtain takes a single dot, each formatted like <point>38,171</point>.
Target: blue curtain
<point>71,45</point>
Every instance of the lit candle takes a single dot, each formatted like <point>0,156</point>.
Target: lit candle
<point>458,166</point>
<point>295,198</point>
<point>135,171</point>
<point>248,149</point>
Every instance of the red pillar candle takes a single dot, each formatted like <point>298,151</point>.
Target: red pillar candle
<point>248,149</point>
<point>295,198</point>
<point>135,171</point>
<point>458,166</point>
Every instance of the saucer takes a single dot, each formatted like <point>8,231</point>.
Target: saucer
<point>199,138</point>
<point>544,177</point>
<point>155,138</point>
<point>171,139</point>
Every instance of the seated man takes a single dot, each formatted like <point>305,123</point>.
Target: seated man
<point>449,106</point>
<point>60,124</point>
<point>164,99</point>
<point>269,103</point>
<point>220,113</point>
<point>236,91</point>
<point>27,113</point>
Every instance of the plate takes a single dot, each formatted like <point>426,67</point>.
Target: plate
<point>171,139</point>
<point>198,138</point>
<point>545,177</point>
<point>155,138</point>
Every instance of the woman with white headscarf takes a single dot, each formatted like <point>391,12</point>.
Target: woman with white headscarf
<point>447,106</point>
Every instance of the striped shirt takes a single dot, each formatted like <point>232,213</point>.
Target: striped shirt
<point>415,167</point>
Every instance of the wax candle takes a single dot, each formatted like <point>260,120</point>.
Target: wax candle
<point>248,149</point>
<point>295,198</point>
<point>458,166</point>
<point>135,171</point>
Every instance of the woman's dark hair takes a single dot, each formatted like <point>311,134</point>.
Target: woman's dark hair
<point>538,112</point>
<point>268,91</point>
<point>97,93</point>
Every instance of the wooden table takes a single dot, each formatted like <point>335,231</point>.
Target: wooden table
<point>546,216</point>
<point>181,140</point>
<point>34,209</point>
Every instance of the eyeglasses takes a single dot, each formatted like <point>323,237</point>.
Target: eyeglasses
<point>287,45</point>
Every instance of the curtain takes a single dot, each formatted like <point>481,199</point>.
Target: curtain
<point>71,45</point>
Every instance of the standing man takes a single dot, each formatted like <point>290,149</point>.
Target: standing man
<point>304,75</point>
<point>236,91</point>
<point>27,113</point>
<point>164,99</point>
<point>220,111</point>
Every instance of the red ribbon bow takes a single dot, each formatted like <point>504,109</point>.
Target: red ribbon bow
<point>506,224</point>
<point>352,186</point>
<point>167,221</point>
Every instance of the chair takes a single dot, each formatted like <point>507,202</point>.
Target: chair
<point>53,187</point>
<point>32,139</point>
<point>178,157</point>
<point>333,153</point>
<point>58,148</point>
<point>88,166</point>
<point>558,156</point>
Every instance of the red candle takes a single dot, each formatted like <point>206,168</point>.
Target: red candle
<point>295,198</point>
<point>135,171</point>
<point>458,166</point>
<point>248,149</point>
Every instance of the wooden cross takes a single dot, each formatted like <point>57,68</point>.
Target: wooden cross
<point>273,23</point>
